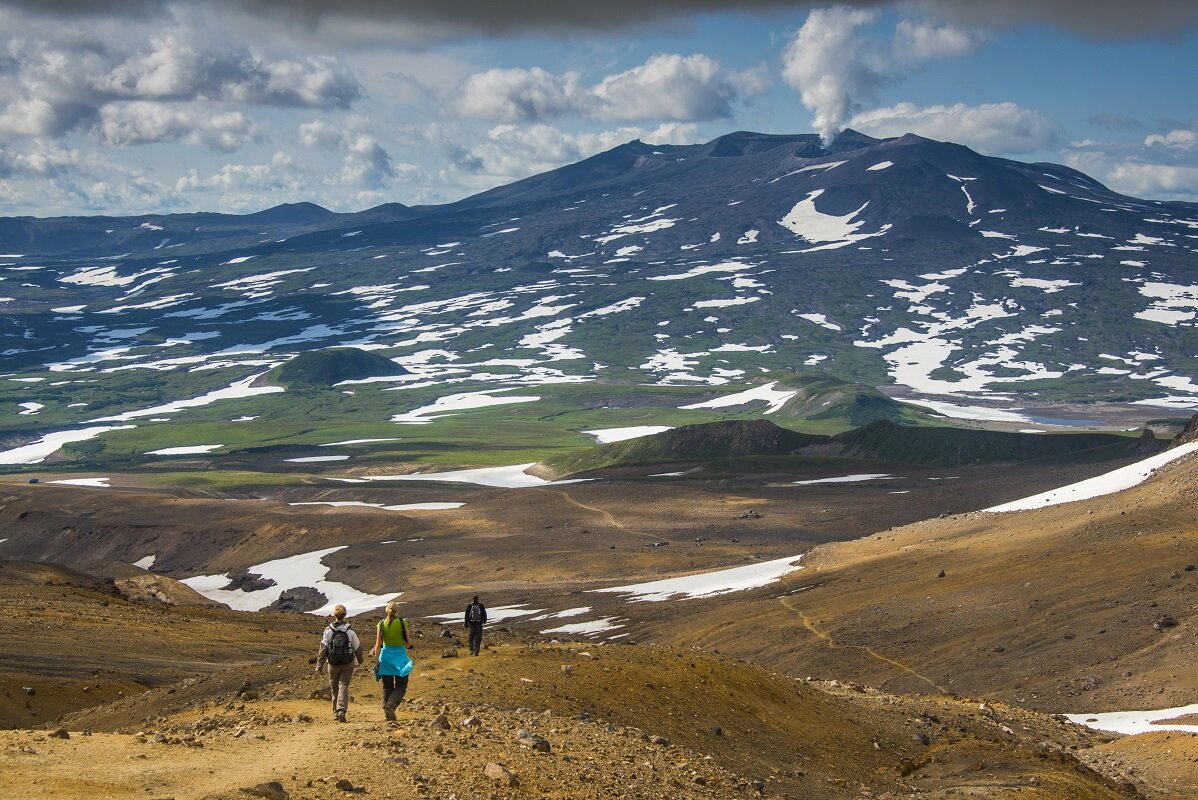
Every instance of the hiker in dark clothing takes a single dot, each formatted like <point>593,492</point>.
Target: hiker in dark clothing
<point>340,648</point>
<point>392,662</point>
<point>476,618</point>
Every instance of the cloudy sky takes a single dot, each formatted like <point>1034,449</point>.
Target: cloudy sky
<point>145,106</point>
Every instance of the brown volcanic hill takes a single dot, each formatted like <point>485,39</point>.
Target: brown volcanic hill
<point>724,724</point>
<point>1084,606</point>
<point>1189,433</point>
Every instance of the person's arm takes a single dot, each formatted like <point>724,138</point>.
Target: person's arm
<point>483,609</point>
<point>466,619</point>
<point>357,647</point>
<point>378,642</point>
<point>407,635</point>
<point>322,654</point>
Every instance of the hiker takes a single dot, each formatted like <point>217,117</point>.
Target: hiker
<point>391,660</point>
<point>476,618</point>
<point>339,646</point>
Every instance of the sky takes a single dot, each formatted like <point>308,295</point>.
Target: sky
<point>151,106</point>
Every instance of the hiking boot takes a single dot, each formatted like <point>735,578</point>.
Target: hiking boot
<point>389,714</point>
<point>339,716</point>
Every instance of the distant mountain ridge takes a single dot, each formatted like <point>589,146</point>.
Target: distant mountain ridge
<point>898,261</point>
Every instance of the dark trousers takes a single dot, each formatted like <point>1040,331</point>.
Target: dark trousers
<point>476,637</point>
<point>394,689</point>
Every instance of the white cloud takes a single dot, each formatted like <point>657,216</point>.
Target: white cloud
<point>28,116</point>
<point>1137,173</point>
<point>1179,139</point>
<point>241,185</point>
<point>143,122</point>
<point>513,95</point>
<point>992,128</point>
<point>921,41</point>
<point>666,87</point>
<point>366,163</point>
<point>39,161</point>
<point>836,70</point>
<point>173,69</point>
<point>320,133</point>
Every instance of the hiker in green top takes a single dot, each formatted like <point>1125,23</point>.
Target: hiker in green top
<point>391,659</point>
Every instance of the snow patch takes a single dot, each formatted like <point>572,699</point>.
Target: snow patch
<point>1131,723</point>
<point>609,435</point>
<point>293,572</point>
<point>1108,483</point>
<point>775,398</point>
<point>185,451</point>
<point>828,230</point>
<point>709,584</point>
<point>868,476</point>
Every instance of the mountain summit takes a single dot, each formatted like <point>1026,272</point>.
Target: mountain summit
<point>901,261</point>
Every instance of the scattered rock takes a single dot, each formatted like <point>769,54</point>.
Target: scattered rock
<point>659,740</point>
<point>471,722</point>
<point>440,723</point>
<point>346,786</point>
<point>301,600</point>
<point>922,738</point>
<point>449,652</point>
<point>540,745</point>
<point>1163,622</point>
<point>271,790</point>
<point>249,583</point>
<point>501,775</point>
<point>568,669</point>
<point>323,693</point>
<point>29,690</point>
<point>941,575</point>
<point>60,733</point>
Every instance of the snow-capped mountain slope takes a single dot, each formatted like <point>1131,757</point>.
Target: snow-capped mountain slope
<point>902,261</point>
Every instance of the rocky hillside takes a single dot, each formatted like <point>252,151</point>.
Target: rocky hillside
<point>531,716</point>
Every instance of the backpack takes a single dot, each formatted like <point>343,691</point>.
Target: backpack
<point>476,612</point>
<point>340,650</point>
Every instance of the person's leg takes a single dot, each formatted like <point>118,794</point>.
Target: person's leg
<point>344,673</point>
<point>332,673</point>
<point>396,696</point>
<point>388,692</point>
<point>476,637</point>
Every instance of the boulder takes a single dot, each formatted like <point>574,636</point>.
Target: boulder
<point>271,790</point>
<point>501,774</point>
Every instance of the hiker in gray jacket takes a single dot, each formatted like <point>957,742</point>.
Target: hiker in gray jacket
<point>341,649</point>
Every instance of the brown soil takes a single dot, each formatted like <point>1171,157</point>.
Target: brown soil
<point>596,706</point>
<point>1051,610</point>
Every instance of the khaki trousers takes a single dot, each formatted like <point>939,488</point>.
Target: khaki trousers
<point>339,676</point>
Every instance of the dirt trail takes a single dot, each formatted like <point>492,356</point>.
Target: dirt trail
<point>727,728</point>
<point>872,653</point>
